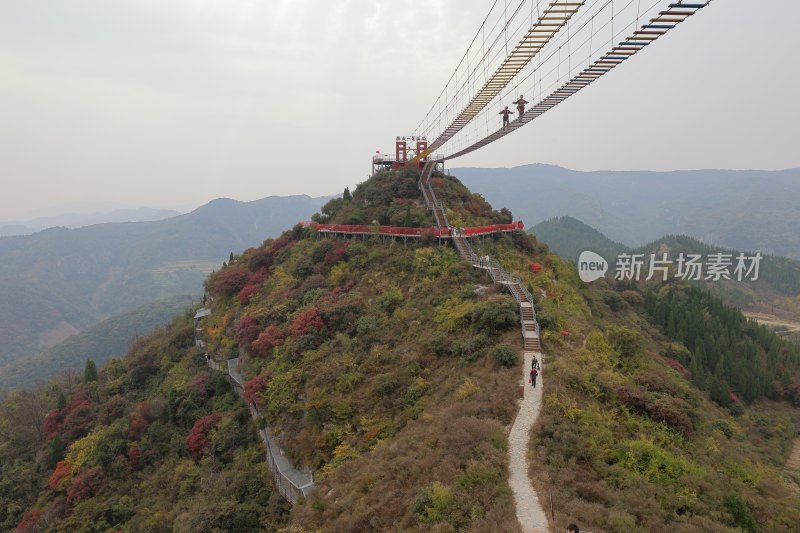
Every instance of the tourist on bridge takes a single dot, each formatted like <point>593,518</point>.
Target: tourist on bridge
<point>521,106</point>
<point>505,112</point>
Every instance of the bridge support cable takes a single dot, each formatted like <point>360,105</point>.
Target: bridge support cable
<point>625,49</point>
<point>551,20</point>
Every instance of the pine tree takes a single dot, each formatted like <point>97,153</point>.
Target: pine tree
<point>346,196</point>
<point>61,402</point>
<point>407,218</point>
<point>90,372</point>
<point>698,366</point>
<point>57,448</point>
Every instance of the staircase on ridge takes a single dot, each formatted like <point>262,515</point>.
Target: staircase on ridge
<point>529,324</point>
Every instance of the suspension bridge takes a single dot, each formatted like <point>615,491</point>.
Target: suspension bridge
<point>548,50</point>
<point>545,51</point>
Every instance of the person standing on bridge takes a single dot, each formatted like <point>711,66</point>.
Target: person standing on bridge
<point>506,113</point>
<point>521,106</point>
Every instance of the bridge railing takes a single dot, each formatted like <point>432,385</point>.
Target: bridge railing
<point>392,231</point>
<point>492,228</point>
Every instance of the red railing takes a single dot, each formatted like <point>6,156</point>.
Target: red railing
<point>412,232</point>
<point>494,228</point>
<point>381,230</point>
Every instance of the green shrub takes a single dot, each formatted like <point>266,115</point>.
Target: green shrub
<point>505,355</point>
<point>390,300</point>
<point>614,301</point>
<point>495,315</point>
<point>742,517</point>
<point>434,503</point>
<point>627,342</point>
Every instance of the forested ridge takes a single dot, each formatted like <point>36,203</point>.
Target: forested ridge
<point>389,370</point>
<point>725,352</point>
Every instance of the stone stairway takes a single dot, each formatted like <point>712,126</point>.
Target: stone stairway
<point>530,335</point>
<point>528,507</point>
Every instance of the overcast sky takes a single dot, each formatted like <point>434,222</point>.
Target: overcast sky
<point>175,102</point>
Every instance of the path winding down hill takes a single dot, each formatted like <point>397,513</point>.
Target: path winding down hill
<point>530,513</point>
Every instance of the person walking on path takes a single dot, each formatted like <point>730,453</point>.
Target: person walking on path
<point>521,105</point>
<point>535,363</point>
<point>572,528</point>
<point>534,374</point>
<point>506,113</point>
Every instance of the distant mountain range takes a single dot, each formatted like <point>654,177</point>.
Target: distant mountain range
<point>777,289</point>
<point>107,339</point>
<point>79,220</point>
<point>744,209</point>
<point>60,281</point>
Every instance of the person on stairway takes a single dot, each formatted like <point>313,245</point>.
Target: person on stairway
<point>521,106</point>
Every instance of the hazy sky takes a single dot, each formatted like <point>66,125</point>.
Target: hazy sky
<point>176,102</point>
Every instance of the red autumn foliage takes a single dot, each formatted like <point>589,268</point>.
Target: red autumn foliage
<point>257,277</point>
<point>197,441</point>
<point>260,259</point>
<point>139,421</point>
<point>254,387</point>
<point>268,339</point>
<point>133,456</point>
<point>670,411</point>
<point>247,331</point>
<point>305,321</point>
<point>535,267</point>
<point>634,399</point>
<point>72,421</point>
<point>199,384</point>
<point>137,426</point>
<point>62,472</point>
<point>229,281</point>
<point>29,521</point>
<point>336,253</point>
<point>678,367</point>
<point>52,423</point>
<point>78,420</point>
<point>85,485</point>
<point>281,243</point>
<point>246,292</point>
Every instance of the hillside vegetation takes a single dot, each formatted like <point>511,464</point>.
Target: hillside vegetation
<point>776,290</point>
<point>390,372</point>
<point>155,443</point>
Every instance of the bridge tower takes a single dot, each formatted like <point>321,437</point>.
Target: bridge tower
<point>409,150</point>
